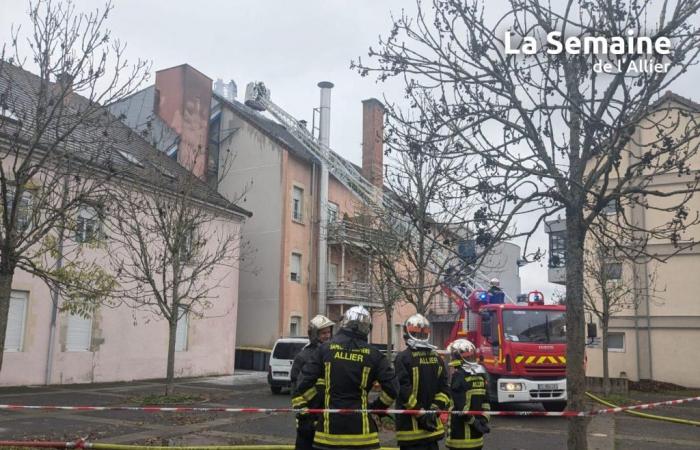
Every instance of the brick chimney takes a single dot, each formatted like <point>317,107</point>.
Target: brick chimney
<point>183,101</point>
<point>373,141</point>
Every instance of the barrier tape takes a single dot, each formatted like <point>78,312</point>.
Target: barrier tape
<point>412,412</point>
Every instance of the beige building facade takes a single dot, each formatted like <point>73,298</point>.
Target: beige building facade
<point>655,336</point>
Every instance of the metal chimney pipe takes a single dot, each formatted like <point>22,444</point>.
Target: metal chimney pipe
<point>324,138</point>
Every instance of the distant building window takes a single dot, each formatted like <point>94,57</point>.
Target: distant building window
<point>297,204</point>
<point>610,208</point>
<point>332,212</point>
<point>616,342</point>
<point>88,225</point>
<point>294,326</point>
<point>557,249</point>
<point>181,331</point>
<point>295,268</point>
<point>14,335</point>
<point>613,271</point>
<point>78,333</point>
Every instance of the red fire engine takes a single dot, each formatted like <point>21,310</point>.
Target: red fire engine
<point>521,345</point>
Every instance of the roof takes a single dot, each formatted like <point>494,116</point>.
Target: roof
<point>137,112</point>
<point>269,127</point>
<point>673,97</point>
<point>108,144</point>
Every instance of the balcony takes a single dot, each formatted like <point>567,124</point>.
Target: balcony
<point>353,233</point>
<point>442,310</point>
<point>351,292</point>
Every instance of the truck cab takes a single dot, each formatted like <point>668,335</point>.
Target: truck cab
<point>523,349</point>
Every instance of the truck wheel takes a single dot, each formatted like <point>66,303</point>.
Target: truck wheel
<point>554,406</point>
<point>276,389</point>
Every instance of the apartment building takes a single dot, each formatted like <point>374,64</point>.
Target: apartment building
<point>656,337</point>
<point>115,343</point>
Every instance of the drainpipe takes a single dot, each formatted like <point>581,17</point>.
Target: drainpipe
<point>314,213</point>
<point>55,297</point>
<point>324,138</point>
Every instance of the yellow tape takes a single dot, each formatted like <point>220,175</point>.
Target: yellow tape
<point>645,415</point>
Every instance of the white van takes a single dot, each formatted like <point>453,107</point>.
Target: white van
<point>281,359</point>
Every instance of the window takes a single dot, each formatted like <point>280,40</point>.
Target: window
<point>88,226</point>
<point>186,242</point>
<point>332,212</point>
<point>294,325</point>
<point>295,268</point>
<point>78,333</point>
<point>8,114</point>
<point>297,204</point>
<point>24,209</point>
<point>610,208</point>
<point>129,157</point>
<point>616,342</point>
<point>557,249</point>
<point>181,331</point>
<point>333,273</point>
<point>613,271</point>
<point>14,336</point>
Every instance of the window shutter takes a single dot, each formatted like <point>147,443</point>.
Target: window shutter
<point>181,333</point>
<point>79,334</point>
<point>14,335</point>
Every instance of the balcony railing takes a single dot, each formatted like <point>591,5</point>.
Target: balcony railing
<point>349,232</point>
<point>345,292</point>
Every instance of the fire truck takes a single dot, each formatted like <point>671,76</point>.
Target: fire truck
<point>522,345</point>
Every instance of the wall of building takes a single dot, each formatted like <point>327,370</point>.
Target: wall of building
<point>245,156</point>
<point>126,344</point>
<point>663,325</point>
<point>299,297</point>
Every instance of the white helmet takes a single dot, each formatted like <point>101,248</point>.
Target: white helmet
<point>462,349</point>
<point>357,319</point>
<point>495,282</point>
<point>317,324</point>
<point>416,330</point>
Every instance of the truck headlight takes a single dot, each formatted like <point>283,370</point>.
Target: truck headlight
<point>512,387</point>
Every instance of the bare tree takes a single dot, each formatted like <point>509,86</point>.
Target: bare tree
<point>416,238</point>
<point>172,251</point>
<point>546,133</point>
<point>55,145</point>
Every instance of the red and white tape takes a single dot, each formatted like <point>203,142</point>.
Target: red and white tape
<point>343,411</point>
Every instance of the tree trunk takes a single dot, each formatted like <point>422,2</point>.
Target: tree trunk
<point>606,370</point>
<point>170,375</point>
<point>575,371</point>
<point>5,293</point>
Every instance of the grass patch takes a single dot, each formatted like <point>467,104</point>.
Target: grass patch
<point>175,399</point>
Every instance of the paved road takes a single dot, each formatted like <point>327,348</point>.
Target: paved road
<point>509,433</point>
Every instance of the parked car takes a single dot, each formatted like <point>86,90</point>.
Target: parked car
<point>281,359</point>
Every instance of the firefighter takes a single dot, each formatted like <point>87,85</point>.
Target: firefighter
<point>349,368</point>
<point>320,330</point>
<point>422,378</point>
<point>468,388</point>
<point>495,286</point>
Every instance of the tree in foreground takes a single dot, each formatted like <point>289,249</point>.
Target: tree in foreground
<point>172,251</point>
<point>546,134</point>
<point>55,140</point>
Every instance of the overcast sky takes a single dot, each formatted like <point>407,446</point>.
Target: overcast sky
<point>289,45</point>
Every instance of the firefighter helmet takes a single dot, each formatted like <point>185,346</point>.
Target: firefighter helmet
<point>462,349</point>
<point>495,282</point>
<point>357,319</point>
<point>417,329</point>
<point>317,324</point>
